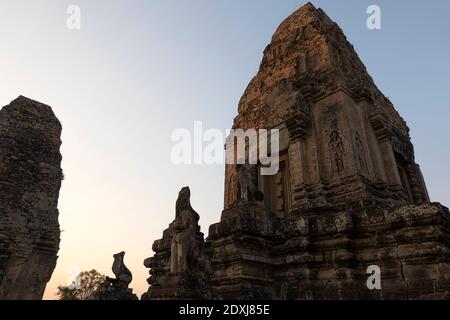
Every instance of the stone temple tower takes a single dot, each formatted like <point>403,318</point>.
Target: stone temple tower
<point>348,197</point>
<point>348,194</point>
<point>343,144</point>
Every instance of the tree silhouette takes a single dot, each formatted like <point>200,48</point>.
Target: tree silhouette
<point>88,282</point>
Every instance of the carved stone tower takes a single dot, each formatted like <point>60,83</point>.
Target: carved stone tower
<point>343,145</point>
<point>30,179</point>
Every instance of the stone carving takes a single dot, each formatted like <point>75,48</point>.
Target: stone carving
<point>321,249</point>
<point>120,270</point>
<point>186,254</point>
<point>180,268</point>
<point>116,288</point>
<point>337,150</point>
<point>184,202</point>
<point>30,179</point>
<point>183,247</point>
<point>246,187</point>
<point>3,261</point>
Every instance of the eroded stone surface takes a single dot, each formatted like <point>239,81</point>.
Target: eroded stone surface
<point>30,179</point>
<point>180,268</point>
<point>349,193</point>
<point>116,288</point>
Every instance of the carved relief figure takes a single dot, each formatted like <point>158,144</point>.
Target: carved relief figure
<point>183,242</point>
<point>179,247</point>
<point>175,254</point>
<point>246,187</point>
<point>337,150</point>
<point>183,245</point>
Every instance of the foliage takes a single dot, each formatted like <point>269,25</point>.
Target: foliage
<point>86,285</point>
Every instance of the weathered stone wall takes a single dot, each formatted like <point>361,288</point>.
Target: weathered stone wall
<point>30,179</point>
<point>255,256</point>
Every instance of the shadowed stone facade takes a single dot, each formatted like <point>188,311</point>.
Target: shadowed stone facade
<point>180,268</point>
<point>30,179</point>
<point>348,194</point>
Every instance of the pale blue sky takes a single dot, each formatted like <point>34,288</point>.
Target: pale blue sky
<point>138,69</point>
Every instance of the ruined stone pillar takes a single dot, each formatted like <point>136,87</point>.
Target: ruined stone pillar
<point>30,179</point>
